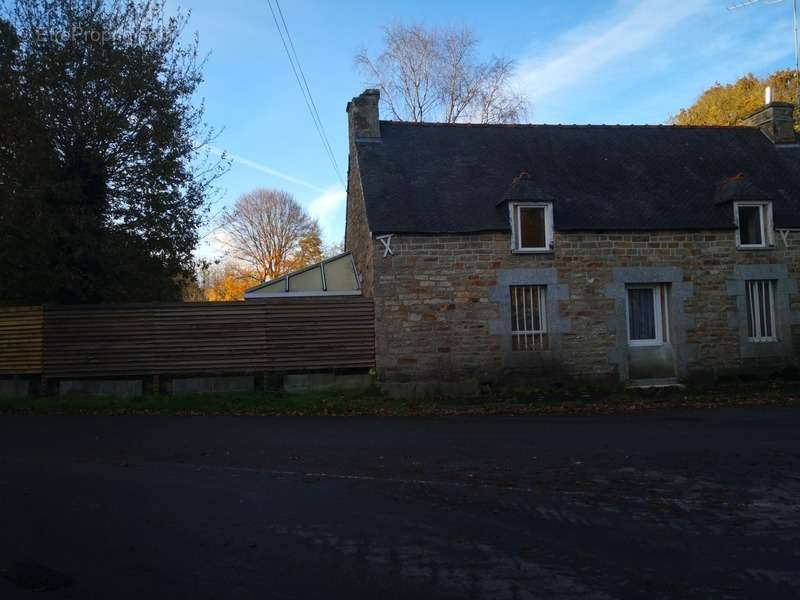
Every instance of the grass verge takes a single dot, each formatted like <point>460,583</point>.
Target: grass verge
<point>370,402</point>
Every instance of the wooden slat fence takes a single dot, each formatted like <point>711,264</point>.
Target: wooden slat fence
<point>297,334</point>
<point>167,338</point>
<point>320,334</point>
<point>21,343</point>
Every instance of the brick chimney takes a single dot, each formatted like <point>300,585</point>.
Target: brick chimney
<point>362,113</point>
<point>775,120</point>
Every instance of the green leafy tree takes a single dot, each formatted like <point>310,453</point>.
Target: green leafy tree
<point>115,182</point>
<point>28,166</point>
<point>728,104</point>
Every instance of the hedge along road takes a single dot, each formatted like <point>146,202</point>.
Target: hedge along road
<point>660,505</point>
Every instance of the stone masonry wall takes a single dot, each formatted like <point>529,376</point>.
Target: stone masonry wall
<point>358,239</point>
<point>439,300</point>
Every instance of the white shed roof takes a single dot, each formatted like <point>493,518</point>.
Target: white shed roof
<point>334,276</point>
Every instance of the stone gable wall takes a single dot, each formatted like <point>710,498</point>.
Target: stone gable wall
<point>358,238</point>
<point>441,301</point>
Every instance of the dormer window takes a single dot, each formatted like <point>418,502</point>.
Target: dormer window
<point>753,224</point>
<point>532,226</point>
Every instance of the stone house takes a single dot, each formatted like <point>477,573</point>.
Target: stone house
<point>522,253</point>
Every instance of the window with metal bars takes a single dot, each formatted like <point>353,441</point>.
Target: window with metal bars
<point>760,310</point>
<point>528,318</point>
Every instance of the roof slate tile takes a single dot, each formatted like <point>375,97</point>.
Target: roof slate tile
<point>441,178</point>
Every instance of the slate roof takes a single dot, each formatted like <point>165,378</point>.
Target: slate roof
<point>740,188</point>
<point>436,178</point>
<point>524,188</point>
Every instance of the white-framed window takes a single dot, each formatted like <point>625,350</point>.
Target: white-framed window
<point>753,224</point>
<point>647,310</point>
<point>760,310</point>
<point>532,226</point>
<point>529,317</point>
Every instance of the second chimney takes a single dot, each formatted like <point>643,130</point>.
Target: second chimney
<point>775,120</point>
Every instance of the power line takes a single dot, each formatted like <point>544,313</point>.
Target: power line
<point>308,89</point>
<point>305,90</point>
<point>299,75</point>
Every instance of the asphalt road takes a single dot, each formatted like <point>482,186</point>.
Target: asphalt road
<point>678,505</point>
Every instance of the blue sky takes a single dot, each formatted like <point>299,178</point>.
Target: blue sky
<point>578,62</point>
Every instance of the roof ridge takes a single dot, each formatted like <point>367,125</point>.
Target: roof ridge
<point>561,125</point>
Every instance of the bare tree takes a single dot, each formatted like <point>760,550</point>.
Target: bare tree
<point>433,74</point>
<point>265,230</point>
<point>333,249</point>
<point>459,78</point>
<point>496,100</point>
<point>405,71</point>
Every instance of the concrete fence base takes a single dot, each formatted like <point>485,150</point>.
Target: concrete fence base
<point>12,388</point>
<point>122,388</point>
<point>292,383</point>
<point>214,385</point>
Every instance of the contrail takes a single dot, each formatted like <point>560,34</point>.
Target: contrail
<point>264,169</point>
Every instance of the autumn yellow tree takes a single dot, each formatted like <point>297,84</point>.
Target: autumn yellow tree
<point>309,249</point>
<point>227,281</point>
<point>728,104</point>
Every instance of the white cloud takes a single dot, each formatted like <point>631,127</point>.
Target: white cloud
<point>582,52</point>
<point>328,209</point>
<point>264,169</point>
